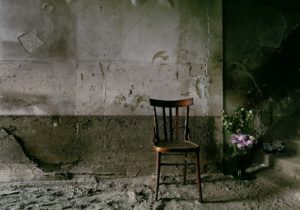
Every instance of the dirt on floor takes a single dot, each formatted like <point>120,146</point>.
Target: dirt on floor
<point>269,190</point>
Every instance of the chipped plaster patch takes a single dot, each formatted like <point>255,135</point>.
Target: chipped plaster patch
<point>30,42</point>
<point>202,83</point>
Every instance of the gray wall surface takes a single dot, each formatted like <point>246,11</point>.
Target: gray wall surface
<point>78,74</point>
<point>108,57</point>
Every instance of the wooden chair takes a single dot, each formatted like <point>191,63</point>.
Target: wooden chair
<point>167,140</point>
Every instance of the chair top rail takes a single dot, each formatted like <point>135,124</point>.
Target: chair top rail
<point>173,103</point>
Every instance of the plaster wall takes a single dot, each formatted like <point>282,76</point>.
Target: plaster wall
<point>76,76</point>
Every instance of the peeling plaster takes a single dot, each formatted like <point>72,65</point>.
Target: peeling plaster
<point>201,86</point>
<point>30,42</point>
<point>160,54</point>
<point>137,101</point>
<point>120,99</point>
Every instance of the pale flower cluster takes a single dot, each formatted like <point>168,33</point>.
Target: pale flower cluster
<point>240,121</point>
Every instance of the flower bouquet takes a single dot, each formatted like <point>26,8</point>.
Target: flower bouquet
<point>240,126</point>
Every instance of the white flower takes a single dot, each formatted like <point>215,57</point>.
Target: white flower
<point>252,138</point>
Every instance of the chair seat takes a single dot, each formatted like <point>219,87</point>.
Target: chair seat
<point>175,146</point>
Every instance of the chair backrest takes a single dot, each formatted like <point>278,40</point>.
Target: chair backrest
<point>168,117</point>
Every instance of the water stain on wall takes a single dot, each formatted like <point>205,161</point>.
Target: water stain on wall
<point>32,103</point>
<point>13,100</point>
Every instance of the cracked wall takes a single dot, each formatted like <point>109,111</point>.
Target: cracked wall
<point>77,59</point>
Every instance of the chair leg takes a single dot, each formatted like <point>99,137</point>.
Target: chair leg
<point>198,176</point>
<point>184,169</point>
<point>158,155</point>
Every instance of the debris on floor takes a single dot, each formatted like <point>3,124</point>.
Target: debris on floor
<point>270,190</point>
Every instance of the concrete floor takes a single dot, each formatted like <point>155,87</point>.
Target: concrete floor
<point>269,190</point>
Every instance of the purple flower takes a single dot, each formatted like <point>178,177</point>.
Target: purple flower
<point>249,143</point>
<point>241,145</point>
<point>234,138</point>
<point>242,141</point>
<point>242,137</point>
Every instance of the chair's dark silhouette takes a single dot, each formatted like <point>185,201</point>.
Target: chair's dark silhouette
<point>170,138</point>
